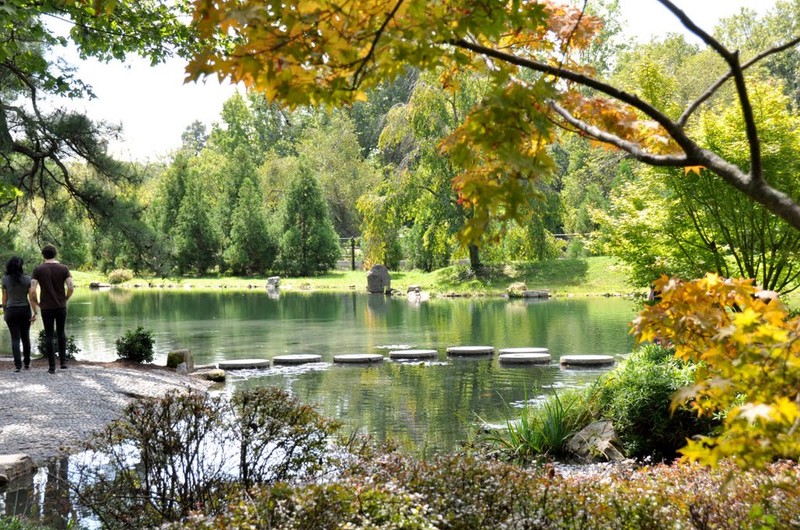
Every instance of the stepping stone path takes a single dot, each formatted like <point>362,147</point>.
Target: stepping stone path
<point>353,358</point>
<point>300,358</point>
<point>586,360</point>
<point>470,351</point>
<point>243,364</point>
<point>413,354</point>
<point>524,356</point>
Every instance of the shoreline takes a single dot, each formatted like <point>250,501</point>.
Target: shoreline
<point>48,415</point>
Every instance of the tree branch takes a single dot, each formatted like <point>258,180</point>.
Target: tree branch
<point>629,147</point>
<point>713,88</point>
<point>634,101</point>
<point>732,58</point>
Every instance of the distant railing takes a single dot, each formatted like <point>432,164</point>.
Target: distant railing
<point>349,247</point>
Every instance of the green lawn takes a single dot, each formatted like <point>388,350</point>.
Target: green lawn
<point>590,276</point>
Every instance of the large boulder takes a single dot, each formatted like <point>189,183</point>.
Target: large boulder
<point>597,441</point>
<point>14,467</point>
<point>177,357</point>
<point>378,280</point>
<point>516,290</point>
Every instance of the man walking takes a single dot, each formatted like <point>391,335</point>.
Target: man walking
<point>52,277</point>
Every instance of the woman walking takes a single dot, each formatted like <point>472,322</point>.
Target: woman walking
<point>19,310</point>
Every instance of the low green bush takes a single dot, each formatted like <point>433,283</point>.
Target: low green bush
<point>136,345</point>
<point>459,492</point>
<point>636,397</point>
<point>72,348</point>
<point>118,276</point>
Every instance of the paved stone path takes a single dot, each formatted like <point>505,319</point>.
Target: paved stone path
<point>42,414</point>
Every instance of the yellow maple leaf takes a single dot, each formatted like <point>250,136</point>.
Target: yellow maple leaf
<point>693,169</point>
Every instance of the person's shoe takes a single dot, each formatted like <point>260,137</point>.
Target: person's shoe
<point>17,369</point>
<point>27,367</point>
<point>64,366</point>
<point>51,371</point>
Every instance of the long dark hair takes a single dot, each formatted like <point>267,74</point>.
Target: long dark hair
<point>14,268</point>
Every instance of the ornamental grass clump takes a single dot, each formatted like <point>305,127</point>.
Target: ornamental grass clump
<point>542,429</point>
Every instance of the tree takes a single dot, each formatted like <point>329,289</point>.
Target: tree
<point>38,141</point>
<point>329,149</point>
<point>332,51</point>
<point>308,243</point>
<point>252,248</point>
<point>196,240</point>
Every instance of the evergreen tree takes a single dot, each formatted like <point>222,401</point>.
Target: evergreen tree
<point>252,249</point>
<point>196,239</point>
<point>308,245</point>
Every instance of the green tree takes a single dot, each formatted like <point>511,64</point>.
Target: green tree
<point>329,149</point>
<point>308,243</point>
<point>196,240</point>
<point>528,50</point>
<point>39,143</point>
<point>252,249</point>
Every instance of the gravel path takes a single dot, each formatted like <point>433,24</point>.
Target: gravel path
<point>42,414</point>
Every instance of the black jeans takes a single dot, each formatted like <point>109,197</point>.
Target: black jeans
<point>18,320</point>
<point>55,318</point>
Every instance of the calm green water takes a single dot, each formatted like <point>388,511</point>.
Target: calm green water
<point>432,405</point>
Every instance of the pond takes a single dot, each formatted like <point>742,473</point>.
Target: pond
<point>422,405</point>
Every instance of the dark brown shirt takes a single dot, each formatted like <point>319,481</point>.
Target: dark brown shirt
<point>51,278</point>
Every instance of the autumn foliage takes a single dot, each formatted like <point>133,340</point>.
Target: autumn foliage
<point>746,344</point>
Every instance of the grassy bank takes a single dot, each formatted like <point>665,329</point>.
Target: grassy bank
<point>590,276</point>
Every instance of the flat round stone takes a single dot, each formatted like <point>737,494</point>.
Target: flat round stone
<point>503,351</point>
<point>413,354</point>
<point>355,358</point>
<point>586,360</point>
<point>524,358</point>
<point>297,358</point>
<point>243,364</point>
<point>470,350</point>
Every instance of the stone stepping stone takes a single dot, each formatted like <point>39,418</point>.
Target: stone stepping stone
<point>524,358</point>
<point>470,351</point>
<point>413,354</point>
<point>504,351</point>
<point>586,360</point>
<point>358,358</point>
<point>243,364</point>
<point>299,358</point>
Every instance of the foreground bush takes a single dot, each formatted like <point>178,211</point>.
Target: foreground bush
<point>637,395</point>
<point>188,451</point>
<point>461,493</point>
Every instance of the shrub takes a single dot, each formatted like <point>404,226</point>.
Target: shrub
<point>636,397</point>
<point>118,276</point>
<point>72,348</point>
<point>167,458</point>
<point>136,345</point>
